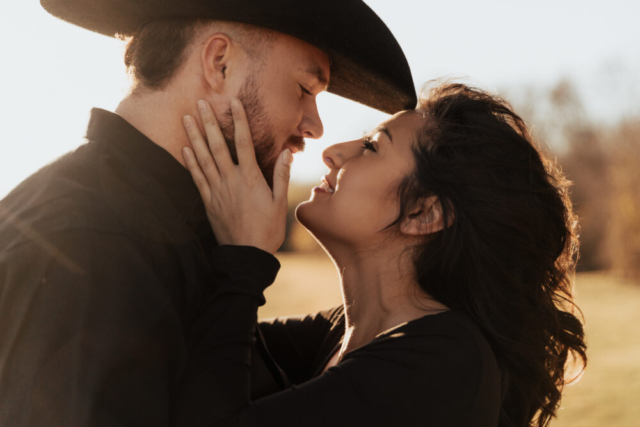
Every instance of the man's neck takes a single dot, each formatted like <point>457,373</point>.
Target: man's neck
<point>158,115</point>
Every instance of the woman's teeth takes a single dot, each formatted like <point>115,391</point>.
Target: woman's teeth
<point>325,187</point>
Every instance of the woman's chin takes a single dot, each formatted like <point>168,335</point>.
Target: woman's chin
<point>303,213</point>
<point>310,218</point>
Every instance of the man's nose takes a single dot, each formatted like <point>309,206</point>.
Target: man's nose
<point>311,124</point>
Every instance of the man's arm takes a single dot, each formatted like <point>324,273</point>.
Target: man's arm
<point>295,342</point>
<point>88,338</point>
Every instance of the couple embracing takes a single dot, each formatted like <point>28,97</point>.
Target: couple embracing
<point>131,269</point>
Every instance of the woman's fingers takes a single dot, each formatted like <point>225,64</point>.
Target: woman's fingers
<point>244,142</point>
<point>202,154</point>
<point>196,173</point>
<point>217,143</point>
<point>281,175</point>
<point>241,209</point>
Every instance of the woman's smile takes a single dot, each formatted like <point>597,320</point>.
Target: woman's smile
<point>325,186</point>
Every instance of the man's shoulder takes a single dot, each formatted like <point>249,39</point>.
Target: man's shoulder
<point>87,191</point>
<point>64,194</point>
<point>60,216</point>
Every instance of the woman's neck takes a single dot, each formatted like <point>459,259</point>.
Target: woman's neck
<point>379,293</point>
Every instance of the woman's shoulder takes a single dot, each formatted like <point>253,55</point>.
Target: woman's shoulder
<point>442,332</point>
<point>442,358</point>
<point>450,339</point>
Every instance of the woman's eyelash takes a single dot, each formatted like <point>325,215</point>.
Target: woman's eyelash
<point>368,145</point>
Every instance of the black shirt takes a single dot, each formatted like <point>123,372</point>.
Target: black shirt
<point>437,370</point>
<point>105,263</point>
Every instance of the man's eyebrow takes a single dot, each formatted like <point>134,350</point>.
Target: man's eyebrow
<point>317,72</point>
<point>383,130</point>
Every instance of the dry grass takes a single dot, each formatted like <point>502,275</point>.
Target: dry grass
<point>608,395</point>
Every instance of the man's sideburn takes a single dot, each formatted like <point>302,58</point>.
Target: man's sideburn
<point>259,124</point>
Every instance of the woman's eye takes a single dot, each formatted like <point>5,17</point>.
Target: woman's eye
<point>368,145</point>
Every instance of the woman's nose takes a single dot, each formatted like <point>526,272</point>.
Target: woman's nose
<point>335,155</point>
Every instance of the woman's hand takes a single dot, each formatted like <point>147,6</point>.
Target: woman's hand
<point>240,206</point>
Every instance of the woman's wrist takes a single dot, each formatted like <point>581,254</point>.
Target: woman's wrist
<point>244,269</point>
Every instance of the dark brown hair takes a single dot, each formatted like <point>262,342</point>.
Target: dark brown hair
<point>157,50</point>
<point>507,258</point>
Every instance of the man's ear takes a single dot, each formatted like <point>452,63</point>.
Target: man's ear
<point>217,52</point>
<point>426,218</point>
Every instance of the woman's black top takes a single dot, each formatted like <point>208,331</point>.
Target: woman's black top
<point>437,370</point>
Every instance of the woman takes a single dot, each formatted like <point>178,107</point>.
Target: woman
<point>455,240</point>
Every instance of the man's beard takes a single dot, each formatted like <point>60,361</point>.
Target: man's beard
<point>264,141</point>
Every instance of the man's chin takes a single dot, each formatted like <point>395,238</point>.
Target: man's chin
<point>295,144</point>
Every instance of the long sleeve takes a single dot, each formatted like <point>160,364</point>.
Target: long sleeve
<point>216,384</point>
<point>436,375</point>
<point>90,335</point>
<point>300,344</point>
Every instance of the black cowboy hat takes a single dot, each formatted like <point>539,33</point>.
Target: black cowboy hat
<point>368,65</point>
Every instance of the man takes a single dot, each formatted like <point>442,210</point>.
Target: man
<point>105,254</point>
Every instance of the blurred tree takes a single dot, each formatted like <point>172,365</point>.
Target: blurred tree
<point>624,221</point>
<point>585,162</point>
<point>604,164</point>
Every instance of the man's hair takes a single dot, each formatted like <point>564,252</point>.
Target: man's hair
<point>158,49</point>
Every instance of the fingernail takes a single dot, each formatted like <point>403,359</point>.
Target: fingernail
<point>186,120</point>
<point>202,106</point>
<point>185,152</point>
<point>287,157</point>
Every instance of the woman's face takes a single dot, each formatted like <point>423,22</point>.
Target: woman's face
<point>358,197</point>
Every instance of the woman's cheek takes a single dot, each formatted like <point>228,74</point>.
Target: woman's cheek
<point>355,212</point>
<point>369,207</point>
<point>354,209</point>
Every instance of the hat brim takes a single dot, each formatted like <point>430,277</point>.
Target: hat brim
<point>368,65</point>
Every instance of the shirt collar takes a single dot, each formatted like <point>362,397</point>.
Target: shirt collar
<point>152,160</point>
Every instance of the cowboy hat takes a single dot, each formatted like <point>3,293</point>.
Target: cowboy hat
<point>367,63</point>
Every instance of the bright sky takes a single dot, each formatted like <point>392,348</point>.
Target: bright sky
<point>52,73</point>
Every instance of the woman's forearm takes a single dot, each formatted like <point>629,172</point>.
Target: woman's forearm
<point>216,385</point>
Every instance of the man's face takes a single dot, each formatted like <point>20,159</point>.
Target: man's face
<point>279,96</point>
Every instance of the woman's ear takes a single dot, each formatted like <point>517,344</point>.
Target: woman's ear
<point>216,54</point>
<point>426,218</point>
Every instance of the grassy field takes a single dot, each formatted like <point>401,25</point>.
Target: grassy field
<point>608,395</point>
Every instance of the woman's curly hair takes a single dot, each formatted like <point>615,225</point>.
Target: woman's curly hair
<point>509,254</point>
